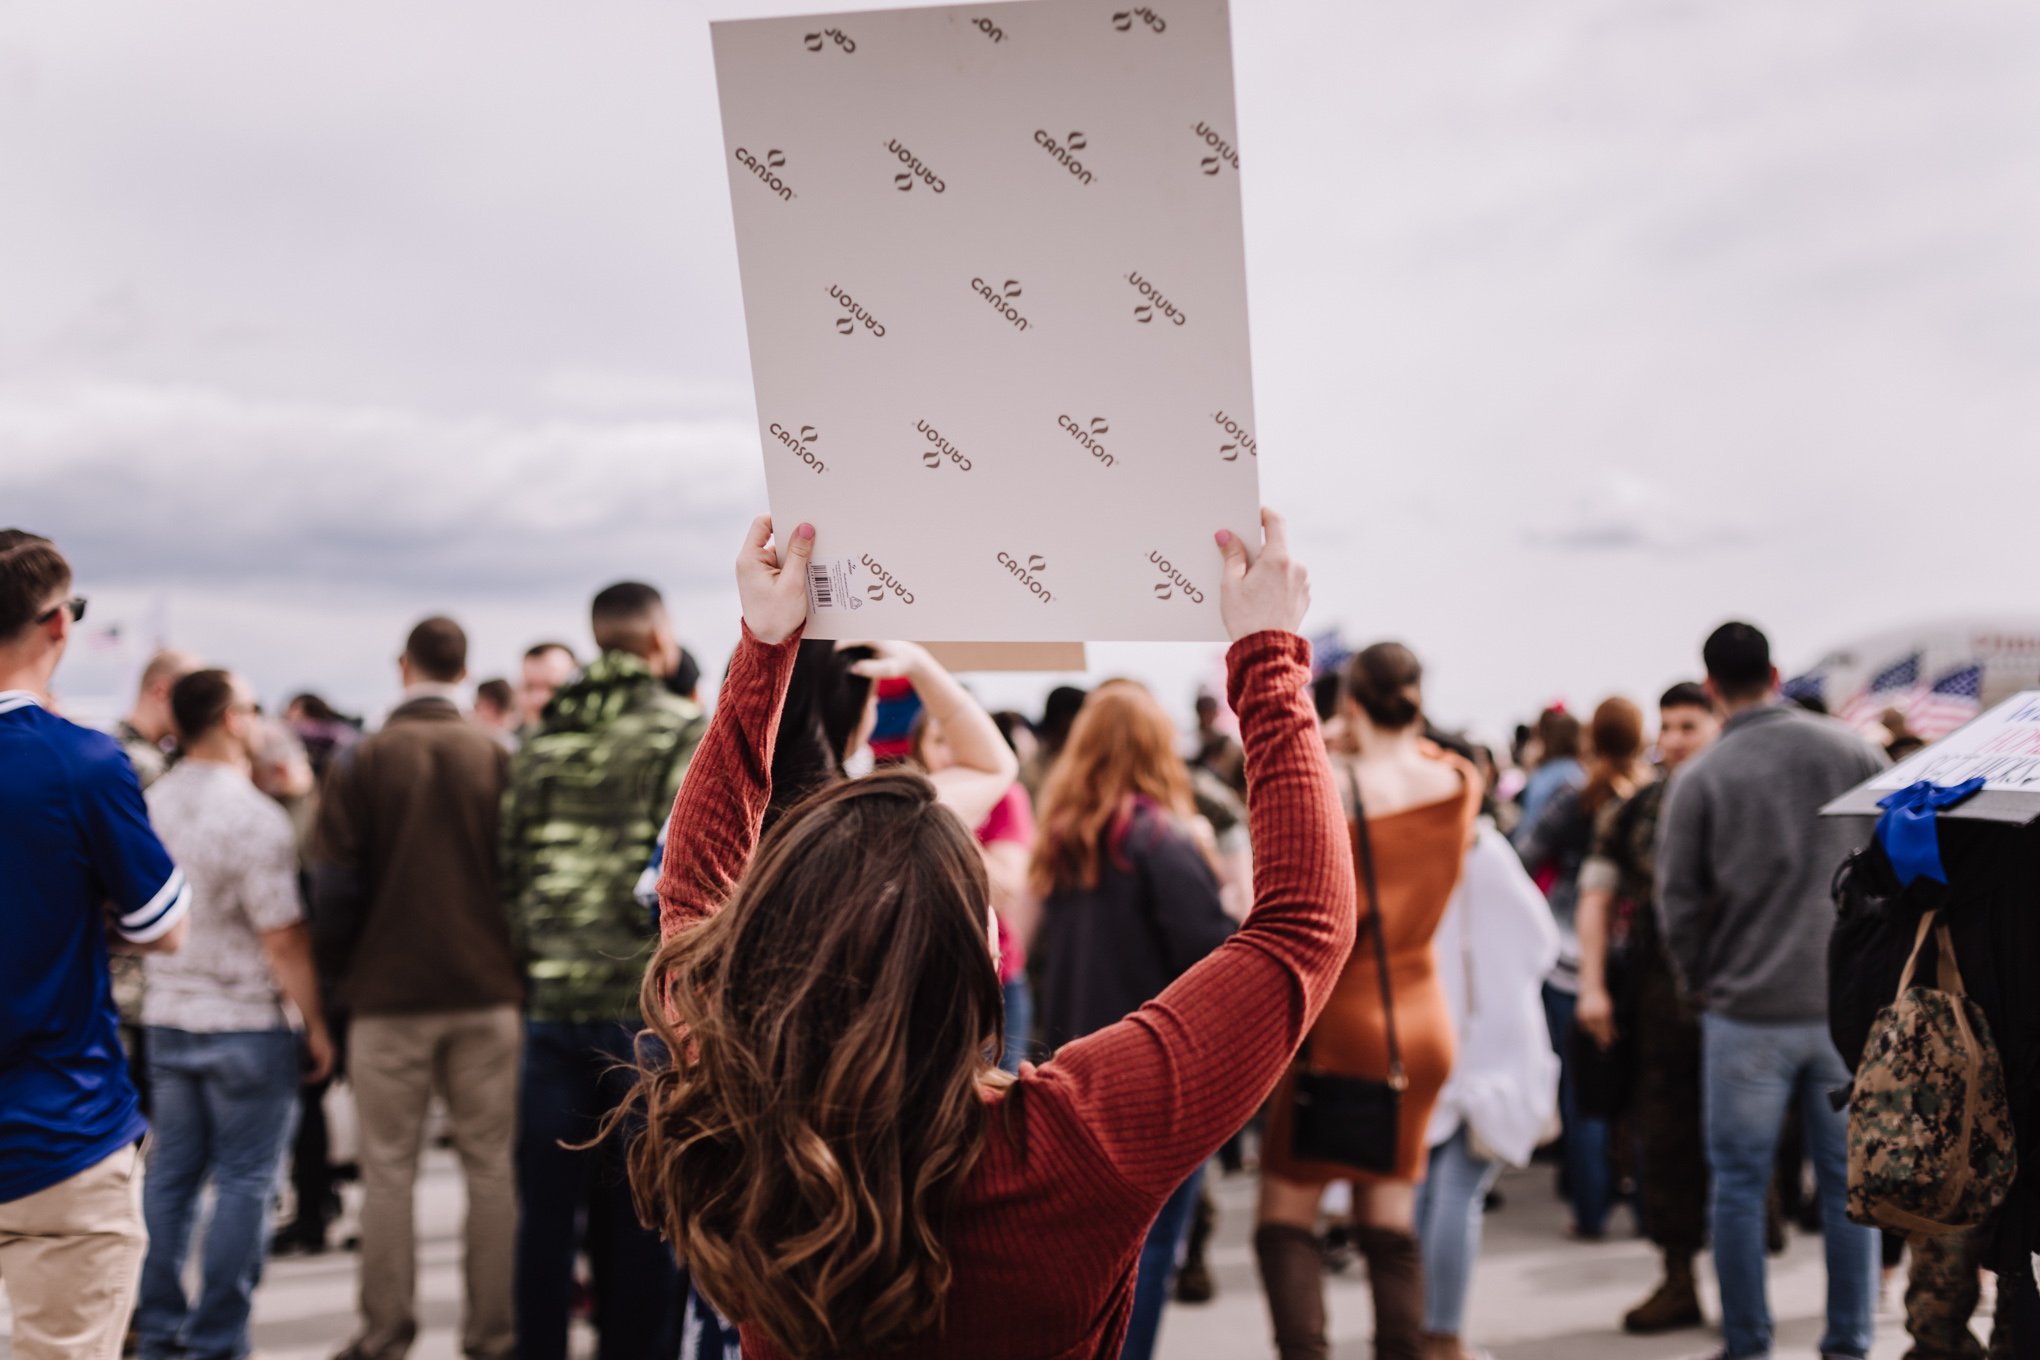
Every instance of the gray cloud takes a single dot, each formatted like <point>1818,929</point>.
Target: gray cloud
<point>192,487</point>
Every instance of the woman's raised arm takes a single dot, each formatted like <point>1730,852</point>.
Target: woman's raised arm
<point>715,821</point>
<point>985,766</point>
<point>1158,1092</point>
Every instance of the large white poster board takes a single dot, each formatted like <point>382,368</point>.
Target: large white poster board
<point>2002,746</point>
<point>995,287</point>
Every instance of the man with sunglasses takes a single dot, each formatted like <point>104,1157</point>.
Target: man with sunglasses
<point>81,872</point>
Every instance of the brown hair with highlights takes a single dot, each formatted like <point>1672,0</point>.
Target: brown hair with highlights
<point>831,1031</point>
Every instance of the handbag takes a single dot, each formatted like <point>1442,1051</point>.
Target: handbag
<point>1353,1121</point>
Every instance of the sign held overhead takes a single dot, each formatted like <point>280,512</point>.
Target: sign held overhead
<point>995,289</point>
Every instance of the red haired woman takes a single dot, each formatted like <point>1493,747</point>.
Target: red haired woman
<point>1129,902</point>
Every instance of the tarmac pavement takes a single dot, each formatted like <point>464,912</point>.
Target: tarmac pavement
<point>1536,1296</point>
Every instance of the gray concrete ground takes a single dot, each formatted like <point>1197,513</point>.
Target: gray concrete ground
<point>1536,1296</point>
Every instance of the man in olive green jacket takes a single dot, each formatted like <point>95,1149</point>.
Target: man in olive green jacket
<point>588,794</point>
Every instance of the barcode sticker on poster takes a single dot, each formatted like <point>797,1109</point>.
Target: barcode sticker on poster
<point>829,586</point>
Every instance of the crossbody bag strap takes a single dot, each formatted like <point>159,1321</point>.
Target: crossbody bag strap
<point>1363,854</point>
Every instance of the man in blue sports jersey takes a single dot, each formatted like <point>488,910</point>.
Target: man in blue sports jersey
<point>80,872</point>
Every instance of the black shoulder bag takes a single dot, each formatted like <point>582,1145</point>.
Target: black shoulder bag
<point>1353,1121</point>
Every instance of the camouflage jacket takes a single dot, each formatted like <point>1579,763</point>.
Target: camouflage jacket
<point>1624,859</point>
<point>588,793</point>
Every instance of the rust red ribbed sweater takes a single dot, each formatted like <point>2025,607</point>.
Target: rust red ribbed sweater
<point>1048,1229</point>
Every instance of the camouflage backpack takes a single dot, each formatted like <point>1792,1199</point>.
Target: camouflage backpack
<point>1930,1134</point>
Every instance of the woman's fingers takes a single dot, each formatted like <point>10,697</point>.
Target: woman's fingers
<point>1274,532</point>
<point>1234,550</point>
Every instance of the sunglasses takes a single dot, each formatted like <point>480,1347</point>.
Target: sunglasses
<point>76,606</point>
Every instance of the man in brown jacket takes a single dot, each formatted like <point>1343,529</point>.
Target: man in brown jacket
<point>411,926</point>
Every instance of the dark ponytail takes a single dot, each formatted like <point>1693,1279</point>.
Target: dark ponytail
<point>1386,681</point>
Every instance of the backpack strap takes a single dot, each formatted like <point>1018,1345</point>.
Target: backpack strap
<point>1912,960</point>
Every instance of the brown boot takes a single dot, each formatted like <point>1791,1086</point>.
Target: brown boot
<point>1292,1276</point>
<point>1674,1305</point>
<point>1395,1273</point>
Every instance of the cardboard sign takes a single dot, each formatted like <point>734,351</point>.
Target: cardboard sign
<point>963,658</point>
<point>995,286</point>
<point>2002,746</point>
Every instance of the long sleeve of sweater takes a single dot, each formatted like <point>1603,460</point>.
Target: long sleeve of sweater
<point>1685,894</point>
<point>721,804</point>
<point>1157,1092</point>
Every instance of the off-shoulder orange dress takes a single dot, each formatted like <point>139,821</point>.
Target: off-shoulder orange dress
<point>1418,854</point>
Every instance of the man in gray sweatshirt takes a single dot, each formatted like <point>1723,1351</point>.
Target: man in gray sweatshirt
<point>1744,863</point>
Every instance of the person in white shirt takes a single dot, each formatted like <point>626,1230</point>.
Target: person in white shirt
<point>1495,945</point>
<point>224,1062</point>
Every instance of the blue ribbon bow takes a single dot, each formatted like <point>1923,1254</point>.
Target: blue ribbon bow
<point>1909,832</point>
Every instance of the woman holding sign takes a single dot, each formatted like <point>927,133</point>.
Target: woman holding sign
<point>831,1150</point>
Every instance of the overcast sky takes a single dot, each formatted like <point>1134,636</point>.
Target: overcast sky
<point>1579,325</point>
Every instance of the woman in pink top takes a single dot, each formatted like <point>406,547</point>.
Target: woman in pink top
<point>1006,840</point>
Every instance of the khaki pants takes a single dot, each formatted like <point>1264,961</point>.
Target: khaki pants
<point>395,1063</point>
<point>71,1257</point>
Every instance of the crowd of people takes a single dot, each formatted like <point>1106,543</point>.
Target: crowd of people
<point>856,1019</point>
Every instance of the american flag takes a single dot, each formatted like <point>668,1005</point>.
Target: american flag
<point>1953,701</point>
<point>1812,685</point>
<point>1893,687</point>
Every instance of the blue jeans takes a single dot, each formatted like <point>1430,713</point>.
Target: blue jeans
<point>1159,1257</point>
<point>572,1078</point>
<point>1019,1022</point>
<point>1583,1141</point>
<point>1450,1204</point>
<point>1751,1074</point>
<point>224,1106</point>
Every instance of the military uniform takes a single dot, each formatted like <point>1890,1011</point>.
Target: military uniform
<point>588,793</point>
<point>1941,1296</point>
<point>1664,1032</point>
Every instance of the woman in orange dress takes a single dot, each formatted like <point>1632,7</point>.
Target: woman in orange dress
<point>1421,805</point>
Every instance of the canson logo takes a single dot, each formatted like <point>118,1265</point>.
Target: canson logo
<point>1123,21</point>
<point>915,170</point>
<point>815,41</point>
<point>1089,437</point>
<point>877,589</point>
<point>1173,581</point>
<point>1065,152</point>
<point>1153,303</point>
<point>989,29</point>
<point>939,448</point>
<point>847,325</point>
<point>1222,152</point>
<point>1241,439</point>
<point>1027,573</point>
<point>763,169</point>
<point>1001,299</point>
<point>802,444</point>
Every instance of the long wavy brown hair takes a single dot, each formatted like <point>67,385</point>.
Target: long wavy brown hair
<point>1121,750</point>
<point>804,1144</point>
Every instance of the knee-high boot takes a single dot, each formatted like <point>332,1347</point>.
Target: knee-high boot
<point>1292,1276</point>
<point>1395,1273</point>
